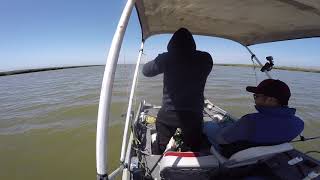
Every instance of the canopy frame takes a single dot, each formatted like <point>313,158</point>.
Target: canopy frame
<point>247,22</point>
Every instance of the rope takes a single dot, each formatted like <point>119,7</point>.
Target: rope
<point>156,164</point>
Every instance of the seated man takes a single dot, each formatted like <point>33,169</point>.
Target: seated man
<point>274,123</point>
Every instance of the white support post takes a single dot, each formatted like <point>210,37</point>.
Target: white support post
<point>115,173</point>
<point>127,162</point>
<point>258,61</point>
<point>133,86</point>
<point>126,171</point>
<point>106,92</point>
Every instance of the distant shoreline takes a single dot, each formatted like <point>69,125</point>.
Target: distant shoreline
<point>276,67</point>
<point>8,73</point>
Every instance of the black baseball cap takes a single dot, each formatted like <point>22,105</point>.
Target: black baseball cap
<point>272,88</point>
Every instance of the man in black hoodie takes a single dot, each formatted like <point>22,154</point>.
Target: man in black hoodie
<point>185,72</point>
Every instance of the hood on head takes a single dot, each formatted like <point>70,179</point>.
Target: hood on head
<point>181,41</point>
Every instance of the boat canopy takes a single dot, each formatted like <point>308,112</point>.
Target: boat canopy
<point>248,22</point>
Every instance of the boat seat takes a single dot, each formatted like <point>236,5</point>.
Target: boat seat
<point>251,155</point>
<point>187,165</point>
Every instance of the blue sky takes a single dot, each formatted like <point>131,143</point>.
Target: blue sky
<point>43,33</point>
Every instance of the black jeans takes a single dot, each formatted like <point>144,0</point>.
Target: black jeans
<point>189,122</point>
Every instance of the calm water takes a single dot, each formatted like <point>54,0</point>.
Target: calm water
<point>48,119</point>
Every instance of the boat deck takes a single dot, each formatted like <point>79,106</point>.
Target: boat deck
<point>147,165</point>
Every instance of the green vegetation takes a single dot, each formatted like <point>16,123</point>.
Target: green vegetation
<point>40,69</point>
<point>314,70</point>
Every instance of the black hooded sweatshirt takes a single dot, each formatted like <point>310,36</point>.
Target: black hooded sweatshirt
<point>185,73</point>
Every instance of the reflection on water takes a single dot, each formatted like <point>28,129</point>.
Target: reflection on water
<point>48,119</point>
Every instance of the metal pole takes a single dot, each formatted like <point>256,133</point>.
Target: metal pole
<point>125,172</point>
<point>115,172</point>
<point>258,61</point>
<point>126,127</point>
<point>106,91</point>
<point>127,162</point>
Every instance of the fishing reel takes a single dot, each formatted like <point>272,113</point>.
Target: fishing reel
<point>269,65</point>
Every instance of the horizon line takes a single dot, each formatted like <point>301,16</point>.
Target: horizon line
<point>24,71</point>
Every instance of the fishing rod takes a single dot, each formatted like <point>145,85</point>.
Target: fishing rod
<point>302,138</point>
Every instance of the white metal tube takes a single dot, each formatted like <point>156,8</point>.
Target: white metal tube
<point>126,127</point>
<point>127,162</point>
<point>258,61</point>
<point>115,172</point>
<point>106,91</point>
<point>125,172</point>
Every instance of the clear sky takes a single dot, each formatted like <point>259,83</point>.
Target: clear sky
<point>46,33</point>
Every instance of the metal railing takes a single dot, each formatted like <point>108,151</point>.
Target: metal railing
<point>106,92</point>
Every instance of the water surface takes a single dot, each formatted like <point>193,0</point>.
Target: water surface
<point>48,119</point>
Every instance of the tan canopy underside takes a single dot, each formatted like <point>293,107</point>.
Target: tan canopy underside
<point>245,21</point>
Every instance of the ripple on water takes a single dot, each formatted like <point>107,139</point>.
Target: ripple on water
<point>48,119</point>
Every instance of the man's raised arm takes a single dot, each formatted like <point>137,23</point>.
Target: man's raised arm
<point>154,67</point>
